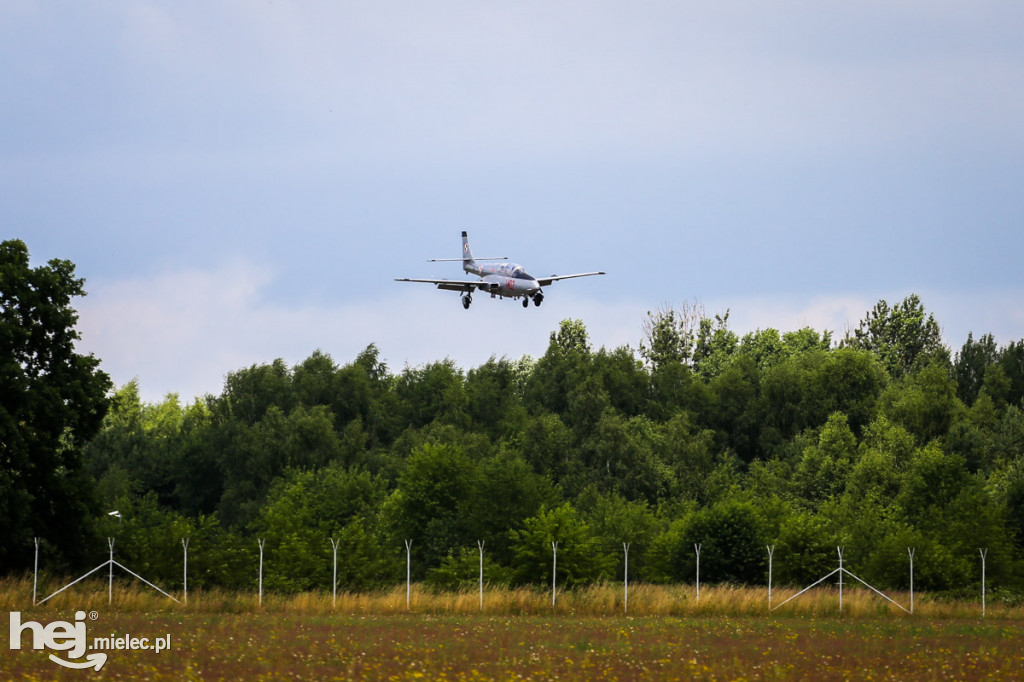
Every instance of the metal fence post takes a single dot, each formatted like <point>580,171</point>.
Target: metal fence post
<point>696,547</point>
<point>184,544</point>
<point>261,541</point>
<point>35,573</point>
<point>554,571</point>
<point>910,551</point>
<point>625,579</point>
<point>480,544</point>
<point>984,553</point>
<point>334,576</point>
<point>110,584</point>
<point>408,574</point>
<point>840,550</point>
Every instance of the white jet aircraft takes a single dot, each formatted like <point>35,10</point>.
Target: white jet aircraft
<point>501,279</point>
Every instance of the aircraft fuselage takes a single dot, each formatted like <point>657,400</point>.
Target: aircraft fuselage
<point>505,279</point>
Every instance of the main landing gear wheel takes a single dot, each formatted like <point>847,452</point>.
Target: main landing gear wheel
<point>538,298</point>
<point>466,300</point>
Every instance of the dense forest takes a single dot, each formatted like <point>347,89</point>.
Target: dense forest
<point>876,442</point>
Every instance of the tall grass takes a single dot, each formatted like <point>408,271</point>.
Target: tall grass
<point>595,600</point>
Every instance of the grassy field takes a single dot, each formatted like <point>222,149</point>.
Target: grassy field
<point>597,600</point>
<point>667,635</point>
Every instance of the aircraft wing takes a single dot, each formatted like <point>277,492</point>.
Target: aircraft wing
<point>545,281</point>
<point>454,284</point>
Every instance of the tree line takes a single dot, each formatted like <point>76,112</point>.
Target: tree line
<point>879,441</point>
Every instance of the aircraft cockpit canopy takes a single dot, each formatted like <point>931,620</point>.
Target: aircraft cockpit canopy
<point>513,270</point>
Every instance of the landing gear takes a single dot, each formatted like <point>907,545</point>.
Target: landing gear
<point>466,300</point>
<point>537,298</point>
<point>526,302</point>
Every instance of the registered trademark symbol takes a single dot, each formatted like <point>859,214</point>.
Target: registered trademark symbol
<point>94,615</point>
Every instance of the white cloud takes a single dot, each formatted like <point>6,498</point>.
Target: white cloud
<point>183,332</point>
<point>1000,313</point>
<point>176,332</point>
<point>789,313</point>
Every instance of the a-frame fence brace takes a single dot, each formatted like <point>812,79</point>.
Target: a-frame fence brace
<point>105,564</point>
<point>109,563</point>
<point>840,571</point>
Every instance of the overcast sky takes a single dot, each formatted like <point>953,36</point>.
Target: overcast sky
<point>241,181</point>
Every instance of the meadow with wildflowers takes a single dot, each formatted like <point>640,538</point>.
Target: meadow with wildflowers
<point>728,634</point>
<point>267,646</point>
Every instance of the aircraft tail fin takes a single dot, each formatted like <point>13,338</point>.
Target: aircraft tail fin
<point>467,254</point>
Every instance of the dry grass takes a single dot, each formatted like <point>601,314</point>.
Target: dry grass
<point>595,600</point>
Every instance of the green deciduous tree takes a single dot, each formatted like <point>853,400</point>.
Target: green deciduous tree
<point>735,410</point>
<point>546,443</point>
<point>903,337</point>
<point>579,557</point>
<point>252,457</point>
<point>161,448</point>
<point>805,549</point>
<point>614,520</point>
<point>621,456</point>
<point>508,491</point>
<point>971,364</point>
<point>689,453</point>
<point>876,478</point>
<point>559,373</point>
<point>715,344</point>
<point>732,540</point>
<point>925,404</point>
<point>1011,359</point>
<point>432,504</point>
<point>52,401</point>
<point>461,570</point>
<point>492,391</point>
<point>932,480</point>
<point>304,511</point>
<point>825,466</point>
<point>249,393</point>
<point>669,335</point>
<point>432,392</point>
